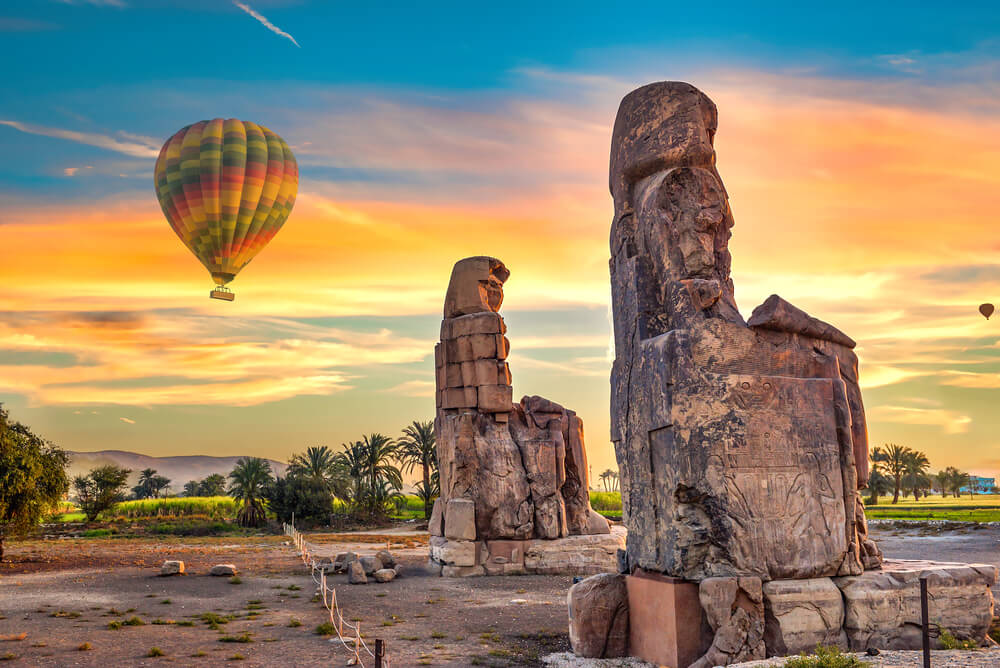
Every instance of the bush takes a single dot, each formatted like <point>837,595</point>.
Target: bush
<point>307,498</point>
<point>825,657</point>
<point>606,501</point>
<point>948,641</point>
<point>325,629</point>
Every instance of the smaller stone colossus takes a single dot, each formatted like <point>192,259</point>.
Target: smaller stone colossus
<point>510,472</point>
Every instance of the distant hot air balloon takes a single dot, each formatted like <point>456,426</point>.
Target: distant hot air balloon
<point>226,188</point>
<point>986,310</point>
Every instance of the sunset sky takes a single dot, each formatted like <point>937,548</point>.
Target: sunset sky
<point>860,146</point>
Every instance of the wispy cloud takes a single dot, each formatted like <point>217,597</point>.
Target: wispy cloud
<point>267,24</point>
<point>13,24</point>
<point>413,388</point>
<point>128,145</point>
<point>950,421</point>
<point>120,4</point>
<point>126,420</point>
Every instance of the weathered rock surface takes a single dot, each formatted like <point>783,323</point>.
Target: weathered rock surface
<point>370,564</point>
<point>598,616</point>
<point>734,608</point>
<point>574,555</point>
<point>223,570</point>
<point>508,471</point>
<point>385,575</point>
<point>800,614</point>
<point>388,561</point>
<point>882,608</point>
<point>172,568</point>
<point>356,573</point>
<point>454,552</point>
<point>341,561</point>
<point>741,448</point>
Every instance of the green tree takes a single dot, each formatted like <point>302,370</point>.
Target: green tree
<point>247,482</point>
<point>213,485</point>
<point>418,448</point>
<point>32,478</point>
<point>878,482</point>
<point>916,479</point>
<point>150,485</point>
<point>191,488</point>
<point>303,498</point>
<point>320,464</point>
<point>100,489</point>
<point>895,464</point>
<point>379,453</point>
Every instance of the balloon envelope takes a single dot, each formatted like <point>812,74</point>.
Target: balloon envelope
<point>226,188</point>
<point>986,310</point>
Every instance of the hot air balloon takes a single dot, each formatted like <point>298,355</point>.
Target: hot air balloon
<point>986,310</point>
<point>226,188</point>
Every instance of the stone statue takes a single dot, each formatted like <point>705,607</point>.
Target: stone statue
<point>512,474</point>
<point>741,445</point>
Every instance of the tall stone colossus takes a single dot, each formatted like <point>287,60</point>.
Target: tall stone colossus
<point>741,444</point>
<point>513,475</point>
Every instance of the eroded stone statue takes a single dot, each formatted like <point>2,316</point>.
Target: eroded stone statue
<point>741,445</point>
<point>513,475</point>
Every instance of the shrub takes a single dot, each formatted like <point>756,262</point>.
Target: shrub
<point>245,638</point>
<point>325,629</point>
<point>948,641</point>
<point>606,501</point>
<point>155,651</point>
<point>825,657</point>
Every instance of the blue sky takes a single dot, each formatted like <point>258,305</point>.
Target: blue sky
<point>859,143</point>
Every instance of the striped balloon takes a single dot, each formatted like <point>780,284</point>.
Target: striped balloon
<point>226,188</point>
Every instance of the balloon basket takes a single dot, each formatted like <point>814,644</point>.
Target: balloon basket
<point>222,293</point>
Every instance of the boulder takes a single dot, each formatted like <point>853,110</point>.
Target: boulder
<point>388,561</point>
<point>341,561</point>
<point>172,568</point>
<point>356,573</point>
<point>598,617</point>
<point>800,614</point>
<point>370,564</point>
<point>228,570</point>
<point>385,575</point>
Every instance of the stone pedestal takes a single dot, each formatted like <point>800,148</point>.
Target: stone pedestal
<point>666,623</point>
<point>572,555</point>
<point>882,608</point>
<point>800,614</point>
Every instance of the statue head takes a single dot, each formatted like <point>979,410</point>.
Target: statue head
<point>476,286</point>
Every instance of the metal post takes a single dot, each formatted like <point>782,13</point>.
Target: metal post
<point>379,652</point>
<point>925,622</point>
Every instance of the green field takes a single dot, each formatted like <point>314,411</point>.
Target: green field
<point>207,507</point>
<point>979,508</point>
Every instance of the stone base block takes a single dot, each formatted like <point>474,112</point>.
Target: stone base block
<point>800,614</point>
<point>572,555</point>
<point>882,608</point>
<point>666,623</point>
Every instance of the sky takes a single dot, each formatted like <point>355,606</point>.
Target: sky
<point>859,144</point>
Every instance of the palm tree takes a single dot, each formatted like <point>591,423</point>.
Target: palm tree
<point>614,481</point>
<point>145,488</point>
<point>379,452</point>
<point>249,478</point>
<point>605,477</point>
<point>417,448</point>
<point>351,463</point>
<point>916,472</point>
<point>191,488</point>
<point>895,460</point>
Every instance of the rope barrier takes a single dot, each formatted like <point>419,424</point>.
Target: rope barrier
<point>353,643</point>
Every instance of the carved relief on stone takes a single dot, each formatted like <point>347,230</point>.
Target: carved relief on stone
<point>741,446</point>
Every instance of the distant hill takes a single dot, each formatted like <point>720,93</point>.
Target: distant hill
<point>179,469</point>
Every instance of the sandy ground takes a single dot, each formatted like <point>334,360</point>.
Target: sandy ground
<point>63,593</point>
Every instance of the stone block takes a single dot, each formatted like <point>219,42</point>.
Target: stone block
<point>502,347</point>
<point>734,609</point>
<point>223,570</point>
<point>462,571</point>
<point>800,614</point>
<point>172,568</point>
<point>459,397</point>
<point>438,355</point>
<point>385,575</point>
<point>460,519</point>
<point>472,347</point>
<point>599,617</point>
<point>503,373</point>
<point>455,552</point>
<point>666,626</point>
<point>495,398</point>
<point>882,608</point>
<point>475,323</point>
<point>574,555</point>
<point>434,526</point>
<point>356,573</point>
<point>504,557</point>
<point>453,376</point>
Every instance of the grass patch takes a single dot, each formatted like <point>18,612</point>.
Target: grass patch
<point>200,652</point>
<point>133,621</point>
<point>948,641</point>
<point>236,657</point>
<point>212,507</point>
<point>437,635</point>
<point>84,647</point>
<point>186,622</point>
<point>325,629</point>
<point>163,622</point>
<point>236,580</point>
<point>97,533</point>
<point>825,657</point>
<point>155,651</point>
<point>294,587</point>
<point>294,623</point>
<point>114,626</point>
<point>166,601</point>
<point>244,638</point>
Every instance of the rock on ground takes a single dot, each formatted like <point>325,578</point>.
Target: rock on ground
<point>598,616</point>
<point>223,569</point>
<point>385,575</point>
<point>172,568</point>
<point>356,573</point>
